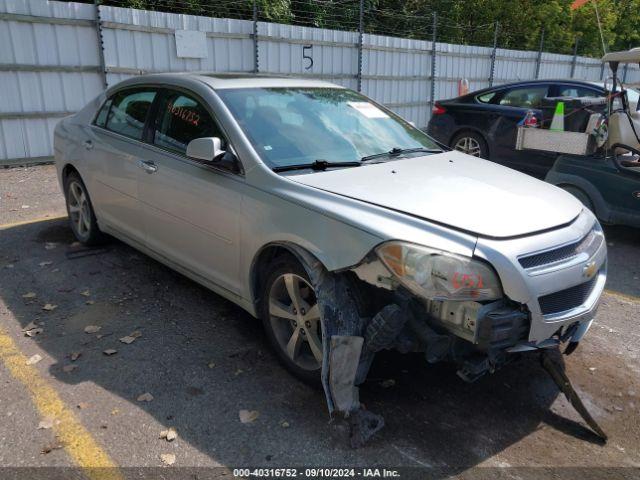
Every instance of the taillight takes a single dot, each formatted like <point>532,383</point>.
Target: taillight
<point>438,109</point>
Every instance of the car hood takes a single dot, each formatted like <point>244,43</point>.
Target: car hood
<point>457,190</point>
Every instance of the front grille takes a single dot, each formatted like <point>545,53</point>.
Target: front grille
<point>567,299</point>
<point>560,254</point>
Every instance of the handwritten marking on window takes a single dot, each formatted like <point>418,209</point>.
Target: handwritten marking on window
<point>184,114</point>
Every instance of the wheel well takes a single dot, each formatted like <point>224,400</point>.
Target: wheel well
<point>259,267</point>
<point>565,185</point>
<point>67,170</point>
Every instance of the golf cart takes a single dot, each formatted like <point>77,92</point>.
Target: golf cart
<point>601,165</point>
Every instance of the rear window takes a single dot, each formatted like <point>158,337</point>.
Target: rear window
<point>128,112</point>
<point>575,91</point>
<point>486,97</point>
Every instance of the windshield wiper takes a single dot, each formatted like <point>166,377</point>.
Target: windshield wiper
<point>394,152</point>
<point>317,165</point>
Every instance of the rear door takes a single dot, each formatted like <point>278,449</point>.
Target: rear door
<point>114,154</point>
<point>191,207</point>
<point>511,108</point>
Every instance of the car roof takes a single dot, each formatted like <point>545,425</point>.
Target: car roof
<point>524,83</point>
<point>220,81</point>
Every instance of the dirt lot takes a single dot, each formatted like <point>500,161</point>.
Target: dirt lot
<point>203,360</point>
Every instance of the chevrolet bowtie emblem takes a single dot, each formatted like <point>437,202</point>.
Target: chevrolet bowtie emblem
<point>589,270</point>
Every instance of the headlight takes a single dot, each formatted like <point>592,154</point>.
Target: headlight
<point>439,275</point>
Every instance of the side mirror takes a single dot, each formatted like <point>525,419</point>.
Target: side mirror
<point>207,148</point>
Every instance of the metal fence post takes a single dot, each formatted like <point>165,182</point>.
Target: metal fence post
<point>433,59</point>
<point>624,73</point>
<point>360,40</point>
<point>602,71</point>
<point>103,67</point>
<point>539,59</point>
<point>575,57</point>
<point>493,54</point>
<point>254,36</point>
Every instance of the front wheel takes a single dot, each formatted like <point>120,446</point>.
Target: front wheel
<point>82,218</point>
<point>291,319</point>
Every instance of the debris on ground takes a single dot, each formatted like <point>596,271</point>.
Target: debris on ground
<point>74,356</point>
<point>29,295</point>
<point>33,359</point>
<point>110,351</point>
<point>85,293</point>
<point>131,337</point>
<point>168,458</point>
<point>49,307</point>
<point>92,329</point>
<point>364,424</point>
<point>82,405</point>
<point>32,332</point>
<point>46,423</point>
<point>29,326</point>
<point>248,416</point>
<point>145,397</point>
<point>211,364</point>
<point>285,424</point>
<point>69,368</point>
<point>169,435</point>
<point>51,447</point>
<point>45,264</point>
<point>388,383</point>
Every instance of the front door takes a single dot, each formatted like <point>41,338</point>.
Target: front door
<point>191,207</point>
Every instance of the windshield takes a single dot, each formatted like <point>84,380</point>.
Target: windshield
<point>293,126</point>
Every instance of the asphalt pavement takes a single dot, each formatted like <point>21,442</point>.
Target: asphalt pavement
<point>129,349</point>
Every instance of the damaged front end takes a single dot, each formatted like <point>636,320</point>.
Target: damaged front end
<point>415,299</point>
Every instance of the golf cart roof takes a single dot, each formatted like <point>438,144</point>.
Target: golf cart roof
<point>626,56</point>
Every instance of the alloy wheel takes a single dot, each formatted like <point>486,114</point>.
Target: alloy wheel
<point>468,145</point>
<point>295,320</point>
<point>79,209</point>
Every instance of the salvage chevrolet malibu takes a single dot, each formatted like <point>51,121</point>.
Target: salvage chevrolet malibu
<point>341,226</point>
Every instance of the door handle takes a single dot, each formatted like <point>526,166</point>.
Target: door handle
<point>88,144</point>
<point>148,167</point>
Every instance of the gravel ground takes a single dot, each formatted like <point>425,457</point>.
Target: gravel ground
<point>203,360</point>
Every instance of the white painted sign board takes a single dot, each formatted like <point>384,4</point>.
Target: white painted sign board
<point>191,44</point>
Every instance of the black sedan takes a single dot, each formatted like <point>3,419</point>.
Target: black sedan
<point>484,123</point>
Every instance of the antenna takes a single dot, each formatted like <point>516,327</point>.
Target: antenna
<point>604,48</point>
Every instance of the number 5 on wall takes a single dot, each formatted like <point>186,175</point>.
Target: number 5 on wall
<point>307,56</point>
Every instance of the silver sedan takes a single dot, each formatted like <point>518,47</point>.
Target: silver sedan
<point>341,226</point>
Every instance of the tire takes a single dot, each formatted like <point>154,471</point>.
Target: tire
<point>293,327</point>
<point>471,143</point>
<point>82,218</point>
<point>580,195</point>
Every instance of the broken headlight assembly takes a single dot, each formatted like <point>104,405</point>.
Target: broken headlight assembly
<point>439,275</point>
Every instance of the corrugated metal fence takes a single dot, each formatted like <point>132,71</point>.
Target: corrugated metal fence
<point>55,57</point>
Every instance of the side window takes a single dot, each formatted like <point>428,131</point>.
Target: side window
<point>129,111</point>
<point>525,97</point>
<point>180,120</point>
<point>574,91</point>
<point>486,97</point>
<point>101,118</point>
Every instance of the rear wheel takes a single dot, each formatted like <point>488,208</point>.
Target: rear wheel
<point>291,318</point>
<point>470,143</point>
<point>82,219</point>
